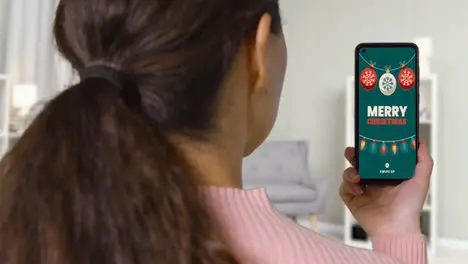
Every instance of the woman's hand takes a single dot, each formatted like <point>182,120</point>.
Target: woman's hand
<point>388,209</point>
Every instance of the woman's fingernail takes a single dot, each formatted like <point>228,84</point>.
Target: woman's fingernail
<point>357,190</point>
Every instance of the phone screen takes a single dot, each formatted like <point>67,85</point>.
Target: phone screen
<point>387,111</point>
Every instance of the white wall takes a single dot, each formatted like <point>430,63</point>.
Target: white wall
<point>321,37</point>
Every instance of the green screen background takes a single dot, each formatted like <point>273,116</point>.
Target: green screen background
<point>403,164</point>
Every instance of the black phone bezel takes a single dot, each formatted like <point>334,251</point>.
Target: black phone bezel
<point>377,181</point>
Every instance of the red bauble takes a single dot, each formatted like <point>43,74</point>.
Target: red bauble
<point>368,78</point>
<point>406,78</point>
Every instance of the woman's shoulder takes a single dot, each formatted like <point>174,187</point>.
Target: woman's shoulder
<point>257,233</point>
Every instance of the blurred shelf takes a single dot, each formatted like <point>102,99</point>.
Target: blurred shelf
<point>360,244</point>
<point>427,207</point>
<point>425,122</point>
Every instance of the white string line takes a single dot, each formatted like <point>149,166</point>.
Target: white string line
<point>380,69</point>
<point>386,141</point>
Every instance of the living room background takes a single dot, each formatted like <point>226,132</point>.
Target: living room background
<point>321,36</point>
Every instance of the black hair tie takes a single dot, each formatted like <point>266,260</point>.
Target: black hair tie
<point>112,75</point>
<point>125,83</point>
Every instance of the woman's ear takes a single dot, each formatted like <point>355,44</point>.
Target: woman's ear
<point>259,53</point>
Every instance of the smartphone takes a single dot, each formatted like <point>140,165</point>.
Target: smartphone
<point>386,112</point>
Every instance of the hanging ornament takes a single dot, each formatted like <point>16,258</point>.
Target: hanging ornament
<point>373,147</point>
<point>406,78</point>
<point>387,83</point>
<point>404,146</point>
<point>396,147</point>
<point>363,144</point>
<point>383,148</point>
<point>368,77</point>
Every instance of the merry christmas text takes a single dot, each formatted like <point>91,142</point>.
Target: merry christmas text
<point>386,115</point>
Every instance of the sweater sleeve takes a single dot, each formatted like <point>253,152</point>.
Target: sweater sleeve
<point>410,249</point>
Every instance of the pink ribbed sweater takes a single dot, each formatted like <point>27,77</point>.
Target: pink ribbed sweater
<point>257,234</point>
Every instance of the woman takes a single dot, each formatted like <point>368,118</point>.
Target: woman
<point>140,162</point>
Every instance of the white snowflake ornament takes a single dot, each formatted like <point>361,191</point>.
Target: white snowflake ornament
<point>387,83</point>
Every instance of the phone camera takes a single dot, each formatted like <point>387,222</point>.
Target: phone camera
<point>363,51</point>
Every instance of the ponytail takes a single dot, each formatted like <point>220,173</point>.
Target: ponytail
<point>94,180</point>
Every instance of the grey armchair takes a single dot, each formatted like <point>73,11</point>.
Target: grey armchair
<point>281,167</point>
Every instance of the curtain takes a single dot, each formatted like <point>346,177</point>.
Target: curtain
<point>3,23</point>
<point>29,53</point>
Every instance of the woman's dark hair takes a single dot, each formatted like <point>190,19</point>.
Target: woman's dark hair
<point>96,179</point>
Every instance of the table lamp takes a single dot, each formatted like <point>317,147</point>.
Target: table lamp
<point>23,97</point>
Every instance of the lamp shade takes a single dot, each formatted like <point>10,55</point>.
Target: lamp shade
<point>24,96</point>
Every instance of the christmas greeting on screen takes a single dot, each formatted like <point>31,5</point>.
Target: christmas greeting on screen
<point>387,112</point>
